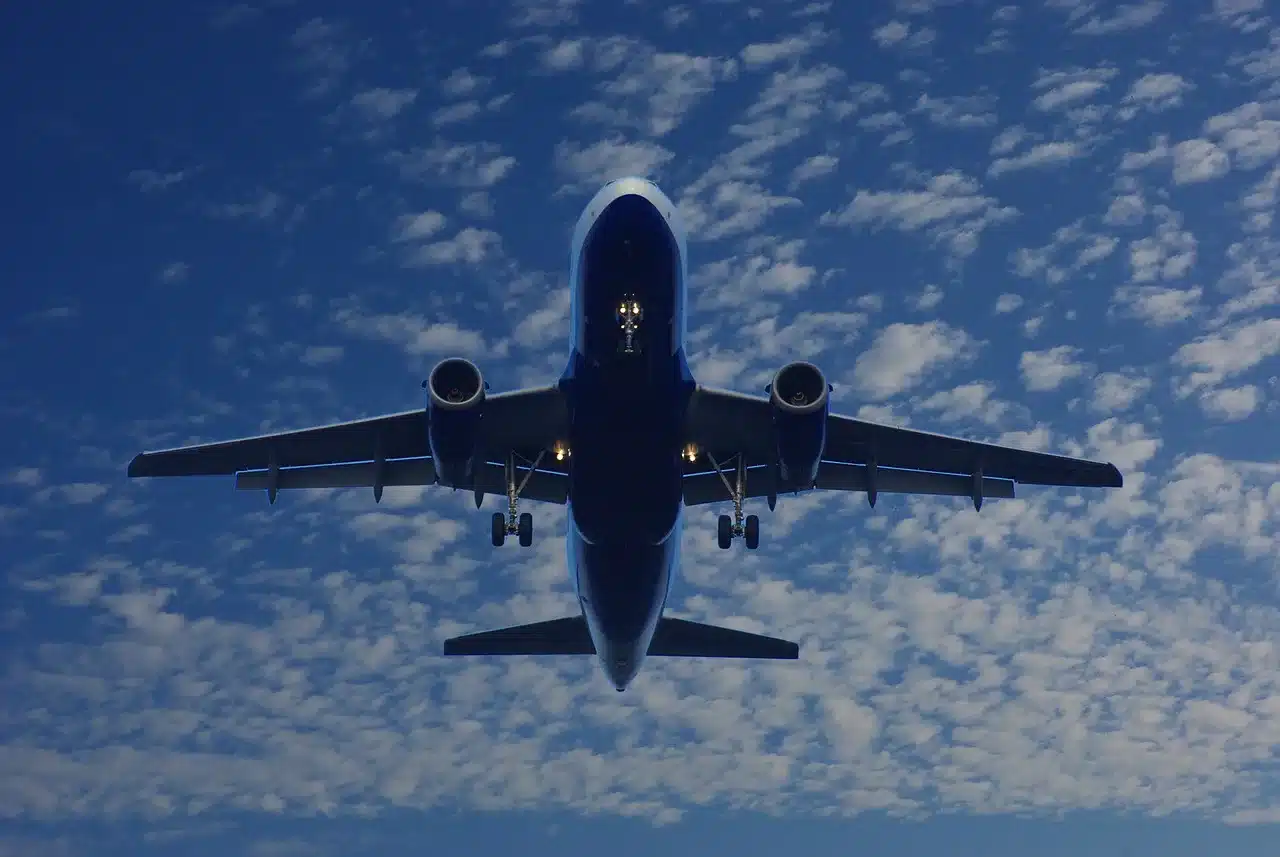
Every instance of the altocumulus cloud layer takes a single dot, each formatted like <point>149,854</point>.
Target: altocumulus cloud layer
<point>1050,224</point>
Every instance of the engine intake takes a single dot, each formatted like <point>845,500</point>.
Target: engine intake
<point>801,402</point>
<point>455,402</point>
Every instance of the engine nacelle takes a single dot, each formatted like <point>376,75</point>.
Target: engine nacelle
<point>455,400</point>
<point>801,401</point>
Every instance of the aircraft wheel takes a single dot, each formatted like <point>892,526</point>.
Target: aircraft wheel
<point>498,529</point>
<point>751,532</point>
<point>724,532</point>
<point>525,529</point>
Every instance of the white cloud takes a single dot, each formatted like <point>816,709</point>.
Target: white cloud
<point>462,83</point>
<point>413,333</point>
<point>903,354</point>
<point>813,168</point>
<point>470,246</point>
<point>381,104</point>
<point>321,355</point>
<point>948,207</point>
<point>1039,155</point>
<point>1198,161</point>
<point>589,167</point>
<point>1047,370</point>
<point>791,48</point>
<point>1007,303</point>
<point>470,165</point>
<point>1215,357</point>
<point>174,272</point>
<point>415,227</point>
<point>1117,391</point>
<point>1069,88</point>
<point>1231,403</point>
<point>1157,91</point>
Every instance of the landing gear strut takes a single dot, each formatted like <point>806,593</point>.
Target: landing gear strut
<point>630,314</point>
<point>748,526</point>
<point>515,522</point>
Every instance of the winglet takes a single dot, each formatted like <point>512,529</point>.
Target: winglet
<point>137,467</point>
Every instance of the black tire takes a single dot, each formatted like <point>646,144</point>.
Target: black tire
<point>751,532</point>
<point>724,532</point>
<point>499,529</point>
<point>525,529</point>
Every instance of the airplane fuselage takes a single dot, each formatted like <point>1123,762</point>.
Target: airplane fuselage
<point>627,387</point>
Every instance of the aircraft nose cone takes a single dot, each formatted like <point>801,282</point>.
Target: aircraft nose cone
<point>622,668</point>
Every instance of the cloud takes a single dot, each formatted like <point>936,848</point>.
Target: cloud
<point>1215,357</point>
<point>1156,92</point>
<point>1198,161</point>
<point>948,207</point>
<point>791,48</point>
<point>1040,155</point>
<point>1117,391</point>
<point>1231,404</point>
<point>174,272</point>
<point>812,168</point>
<point>589,167</point>
<point>468,165</point>
<point>902,354</point>
<point>470,246</point>
<point>1059,90</point>
<point>413,333</point>
<point>1047,370</point>
<point>1099,290</point>
<point>643,89</point>
<point>416,227</point>
<point>152,181</point>
<point>320,355</point>
<point>381,104</point>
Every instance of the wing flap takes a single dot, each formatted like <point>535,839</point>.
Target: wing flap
<point>728,423</point>
<point>683,638</point>
<point>402,435</point>
<point>568,636</point>
<point>543,486</point>
<point>522,421</point>
<point>703,488</point>
<point>850,439</point>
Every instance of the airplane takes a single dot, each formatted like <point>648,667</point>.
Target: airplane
<point>626,439</point>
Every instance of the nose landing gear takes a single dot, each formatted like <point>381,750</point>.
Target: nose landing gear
<point>630,314</point>
<point>745,526</point>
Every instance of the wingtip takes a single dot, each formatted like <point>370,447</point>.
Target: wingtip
<point>135,466</point>
<point>1117,478</point>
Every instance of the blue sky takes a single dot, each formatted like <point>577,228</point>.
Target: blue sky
<point>1049,224</point>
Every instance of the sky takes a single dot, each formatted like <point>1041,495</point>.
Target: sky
<point>1048,224</point>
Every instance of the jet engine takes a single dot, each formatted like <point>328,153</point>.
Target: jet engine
<point>455,400</point>
<point>799,395</point>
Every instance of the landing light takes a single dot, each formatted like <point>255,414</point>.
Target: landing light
<point>691,453</point>
<point>562,452</point>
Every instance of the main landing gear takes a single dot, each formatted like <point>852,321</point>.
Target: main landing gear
<point>748,527</point>
<point>515,522</point>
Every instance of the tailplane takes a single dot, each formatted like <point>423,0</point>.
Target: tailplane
<point>567,636</point>
<point>672,638</point>
<point>682,638</point>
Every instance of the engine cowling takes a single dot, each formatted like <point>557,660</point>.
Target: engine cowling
<point>801,401</point>
<point>455,401</point>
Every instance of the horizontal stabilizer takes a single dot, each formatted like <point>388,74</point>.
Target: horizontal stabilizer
<point>567,636</point>
<point>682,638</point>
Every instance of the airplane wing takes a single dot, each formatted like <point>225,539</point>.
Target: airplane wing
<point>727,424</point>
<point>523,422</point>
